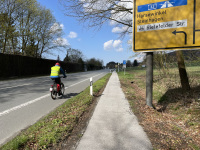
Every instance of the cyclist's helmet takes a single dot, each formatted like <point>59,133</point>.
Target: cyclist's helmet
<point>57,64</point>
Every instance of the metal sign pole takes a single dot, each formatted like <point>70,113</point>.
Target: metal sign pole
<point>118,67</point>
<point>124,66</point>
<point>149,78</point>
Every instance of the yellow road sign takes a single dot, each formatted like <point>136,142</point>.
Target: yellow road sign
<point>166,25</point>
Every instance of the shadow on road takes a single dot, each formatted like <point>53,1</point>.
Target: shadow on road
<point>69,95</point>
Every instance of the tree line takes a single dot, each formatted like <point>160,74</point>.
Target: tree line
<point>27,28</point>
<point>113,64</point>
<point>76,56</point>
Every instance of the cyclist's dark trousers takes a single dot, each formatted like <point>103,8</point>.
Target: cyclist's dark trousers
<point>57,80</point>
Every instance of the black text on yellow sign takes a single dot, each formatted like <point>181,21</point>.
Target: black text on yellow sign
<point>166,25</point>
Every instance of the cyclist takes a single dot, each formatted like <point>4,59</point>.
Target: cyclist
<point>55,73</point>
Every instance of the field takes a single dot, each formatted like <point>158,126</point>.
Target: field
<point>175,121</point>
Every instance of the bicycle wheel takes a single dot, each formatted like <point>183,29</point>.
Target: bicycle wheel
<point>62,89</point>
<point>53,95</point>
<point>54,92</point>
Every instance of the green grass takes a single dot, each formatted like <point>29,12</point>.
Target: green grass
<point>58,124</point>
<point>195,147</point>
<point>134,75</point>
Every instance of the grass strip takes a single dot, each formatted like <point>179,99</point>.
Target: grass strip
<point>58,124</point>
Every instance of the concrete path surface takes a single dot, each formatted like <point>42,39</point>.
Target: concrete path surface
<point>113,126</point>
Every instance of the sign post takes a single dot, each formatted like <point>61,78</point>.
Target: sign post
<point>149,78</point>
<point>124,65</point>
<point>118,67</point>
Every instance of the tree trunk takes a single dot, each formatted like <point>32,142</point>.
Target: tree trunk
<point>182,71</point>
<point>5,42</point>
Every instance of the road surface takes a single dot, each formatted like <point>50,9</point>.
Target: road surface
<point>24,101</point>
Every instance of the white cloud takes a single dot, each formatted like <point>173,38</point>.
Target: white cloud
<point>119,30</point>
<point>91,5</point>
<point>108,45</point>
<point>56,27</point>
<point>120,49</point>
<point>61,42</point>
<point>140,56</point>
<point>72,35</point>
<point>116,45</point>
<point>62,26</point>
<point>116,30</point>
<point>113,23</point>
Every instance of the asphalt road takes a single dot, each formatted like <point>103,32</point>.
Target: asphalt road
<point>23,102</point>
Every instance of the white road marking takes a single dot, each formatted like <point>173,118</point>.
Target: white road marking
<point>82,81</point>
<point>35,100</point>
<point>22,105</point>
<point>15,86</point>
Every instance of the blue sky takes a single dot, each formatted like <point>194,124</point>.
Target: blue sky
<point>102,44</point>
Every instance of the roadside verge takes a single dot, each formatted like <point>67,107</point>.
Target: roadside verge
<point>174,123</point>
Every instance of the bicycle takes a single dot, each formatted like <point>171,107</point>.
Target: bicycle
<point>57,90</point>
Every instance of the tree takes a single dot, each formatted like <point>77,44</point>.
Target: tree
<point>58,58</point>
<point>111,65</point>
<point>8,17</point>
<point>80,61</point>
<point>96,12</point>
<point>74,55</point>
<point>128,63</point>
<point>67,59</point>
<point>29,29</point>
<point>182,71</point>
<point>48,33</point>
<point>160,62</point>
<point>28,10</point>
<point>95,63</point>
<point>135,63</point>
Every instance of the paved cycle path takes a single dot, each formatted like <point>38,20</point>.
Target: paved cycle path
<point>113,126</point>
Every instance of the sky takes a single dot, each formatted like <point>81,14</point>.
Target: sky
<point>101,44</point>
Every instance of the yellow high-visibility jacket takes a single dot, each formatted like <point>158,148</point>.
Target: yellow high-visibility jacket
<point>55,71</point>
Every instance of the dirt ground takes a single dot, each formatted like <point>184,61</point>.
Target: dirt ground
<point>165,129</point>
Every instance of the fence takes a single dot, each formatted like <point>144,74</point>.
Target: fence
<point>18,66</point>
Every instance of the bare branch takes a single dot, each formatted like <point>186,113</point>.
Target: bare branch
<point>97,12</point>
